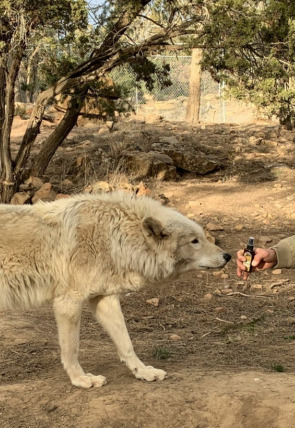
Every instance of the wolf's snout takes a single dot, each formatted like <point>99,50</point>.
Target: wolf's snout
<point>226,257</point>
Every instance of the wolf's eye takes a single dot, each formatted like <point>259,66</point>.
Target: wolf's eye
<point>195,241</point>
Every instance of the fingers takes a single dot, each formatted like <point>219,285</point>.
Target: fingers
<point>261,255</point>
<point>263,259</point>
<point>241,269</point>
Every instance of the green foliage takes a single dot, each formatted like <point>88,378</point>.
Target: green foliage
<point>277,368</point>
<point>252,47</point>
<point>161,353</point>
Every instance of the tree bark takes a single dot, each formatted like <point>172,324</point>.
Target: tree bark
<point>102,55</point>
<point>8,180</point>
<point>58,135</point>
<point>194,99</point>
<point>2,110</point>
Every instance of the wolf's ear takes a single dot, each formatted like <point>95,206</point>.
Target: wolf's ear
<point>153,228</point>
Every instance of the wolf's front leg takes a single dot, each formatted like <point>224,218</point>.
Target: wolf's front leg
<point>107,310</point>
<point>68,314</point>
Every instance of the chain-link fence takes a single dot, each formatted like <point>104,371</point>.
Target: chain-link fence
<point>171,102</point>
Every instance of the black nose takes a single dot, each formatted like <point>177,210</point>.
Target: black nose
<point>226,257</point>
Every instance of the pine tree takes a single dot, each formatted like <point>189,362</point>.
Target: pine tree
<point>251,45</point>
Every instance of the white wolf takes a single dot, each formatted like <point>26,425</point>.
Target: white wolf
<point>92,248</point>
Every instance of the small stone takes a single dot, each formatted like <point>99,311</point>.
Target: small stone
<point>213,227</point>
<point>154,301</point>
<point>240,284</point>
<point>256,287</point>
<point>277,271</point>
<point>62,196</point>
<point>291,299</point>
<point>244,317</point>
<point>238,227</point>
<point>217,273</point>
<point>175,337</point>
<point>34,182</point>
<point>208,296</point>
<point>220,309</point>
<point>142,190</point>
<point>226,291</point>
<point>20,198</point>
<point>224,276</point>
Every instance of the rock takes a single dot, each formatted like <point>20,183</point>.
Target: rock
<point>45,193</point>
<point>226,290</point>
<point>256,287</point>
<point>66,183</point>
<point>243,317</point>
<point>142,190</point>
<point>224,276</point>
<point>213,227</point>
<point>208,296</point>
<point>277,271</point>
<point>62,196</point>
<point>151,164</point>
<point>34,183</point>
<point>270,143</point>
<point>217,272</point>
<point>98,186</point>
<point>196,163</point>
<point>154,301</point>
<point>220,309</point>
<point>255,141</point>
<point>175,337</point>
<point>20,198</point>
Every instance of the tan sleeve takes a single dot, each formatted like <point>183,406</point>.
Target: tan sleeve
<point>285,251</point>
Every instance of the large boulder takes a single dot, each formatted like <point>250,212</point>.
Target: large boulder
<point>45,194</point>
<point>151,164</point>
<point>197,163</point>
<point>186,158</point>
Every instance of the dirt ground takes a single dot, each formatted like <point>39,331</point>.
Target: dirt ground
<point>228,346</point>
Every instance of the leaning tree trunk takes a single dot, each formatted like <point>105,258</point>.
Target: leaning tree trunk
<point>194,99</point>
<point>59,134</point>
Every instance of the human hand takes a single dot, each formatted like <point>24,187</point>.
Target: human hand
<point>263,259</point>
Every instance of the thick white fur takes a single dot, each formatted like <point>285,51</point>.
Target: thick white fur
<point>92,248</point>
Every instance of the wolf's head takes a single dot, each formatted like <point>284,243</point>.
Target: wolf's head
<point>176,237</point>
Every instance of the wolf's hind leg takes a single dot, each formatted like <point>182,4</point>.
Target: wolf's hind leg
<point>68,314</point>
<point>107,311</point>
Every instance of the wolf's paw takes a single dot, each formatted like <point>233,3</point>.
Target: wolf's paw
<point>89,380</point>
<point>149,373</point>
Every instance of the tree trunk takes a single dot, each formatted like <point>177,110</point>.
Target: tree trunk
<point>2,110</point>
<point>194,99</point>
<point>8,180</point>
<point>57,137</point>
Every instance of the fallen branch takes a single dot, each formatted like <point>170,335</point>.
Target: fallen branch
<point>227,322</point>
<point>279,283</point>
<point>248,295</point>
